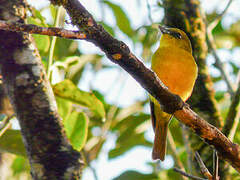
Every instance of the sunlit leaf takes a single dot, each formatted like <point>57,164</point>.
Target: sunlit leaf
<point>53,10</point>
<point>67,90</point>
<point>64,107</point>
<point>42,42</point>
<point>101,98</point>
<point>37,15</point>
<point>218,28</point>
<point>76,126</point>
<point>11,142</point>
<point>122,20</point>
<point>19,165</point>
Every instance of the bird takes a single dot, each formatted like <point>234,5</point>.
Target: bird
<point>175,66</point>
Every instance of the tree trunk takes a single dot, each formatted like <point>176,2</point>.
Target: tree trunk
<point>49,152</point>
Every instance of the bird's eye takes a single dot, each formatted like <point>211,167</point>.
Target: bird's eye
<point>177,35</point>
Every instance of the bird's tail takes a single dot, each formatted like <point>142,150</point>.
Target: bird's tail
<point>160,141</point>
<point>160,121</point>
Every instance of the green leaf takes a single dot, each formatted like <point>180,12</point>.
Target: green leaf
<point>42,43</point>
<point>219,95</point>
<point>64,107</point>
<point>38,16</point>
<point>130,142</point>
<point>218,28</point>
<point>65,48</point>
<point>234,67</point>
<point>101,98</point>
<point>122,20</point>
<point>149,39</point>
<point>135,175</point>
<point>67,90</point>
<point>128,125</point>
<point>76,126</point>
<point>74,65</point>
<point>19,165</point>
<point>53,10</point>
<point>11,142</point>
<point>216,79</point>
<point>129,134</point>
<point>176,131</point>
<point>37,19</point>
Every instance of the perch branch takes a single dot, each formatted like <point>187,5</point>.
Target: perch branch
<point>119,53</point>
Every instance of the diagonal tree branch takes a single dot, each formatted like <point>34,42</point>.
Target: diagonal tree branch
<point>119,53</point>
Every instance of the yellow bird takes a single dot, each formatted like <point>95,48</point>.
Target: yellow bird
<point>176,68</point>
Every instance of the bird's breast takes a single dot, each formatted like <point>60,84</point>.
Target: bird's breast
<point>177,69</point>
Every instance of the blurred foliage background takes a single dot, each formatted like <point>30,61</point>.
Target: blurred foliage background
<point>105,113</point>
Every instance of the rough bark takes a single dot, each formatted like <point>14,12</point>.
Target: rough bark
<point>50,154</point>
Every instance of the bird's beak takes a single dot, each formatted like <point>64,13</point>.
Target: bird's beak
<point>163,30</point>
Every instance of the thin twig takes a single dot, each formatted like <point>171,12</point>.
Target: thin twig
<point>213,24</point>
<point>149,12</point>
<point>6,120</point>
<point>188,175</point>
<point>212,47</point>
<point>49,31</point>
<point>88,163</point>
<point>174,152</point>
<point>215,165</point>
<point>6,127</point>
<point>53,42</point>
<point>218,63</point>
<point>94,172</point>
<point>185,136</point>
<point>202,166</point>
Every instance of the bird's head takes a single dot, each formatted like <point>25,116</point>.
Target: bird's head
<point>175,37</point>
